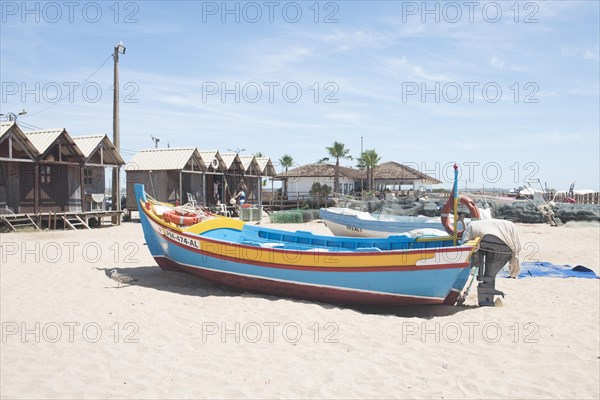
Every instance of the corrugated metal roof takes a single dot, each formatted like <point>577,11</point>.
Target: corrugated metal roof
<point>229,158</point>
<point>87,144</point>
<point>247,161</point>
<point>43,139</point>
<point>208,156</point>
<point>13,128</point>
<point>5,126</point>
<point>161,159</point>
<point>266,166</point>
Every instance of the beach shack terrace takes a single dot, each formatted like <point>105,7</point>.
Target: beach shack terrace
<point>49,178</point>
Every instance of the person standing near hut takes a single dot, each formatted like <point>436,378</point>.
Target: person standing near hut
<point>242,186</point>
<point>217,195</point>
<point>241,196</point>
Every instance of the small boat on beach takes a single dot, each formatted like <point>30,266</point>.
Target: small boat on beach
<point>349,222</point>
<point>398,270</point>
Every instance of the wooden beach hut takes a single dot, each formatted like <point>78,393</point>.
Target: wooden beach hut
<point>215,167</point>
<point>45,176</point>
<point>57,183</point>
<point>267,169</point>
<point>18,156</point>
<point>168,174</point>
<point>99,154</point>
<point>252,179</point>
<point>233,174</point>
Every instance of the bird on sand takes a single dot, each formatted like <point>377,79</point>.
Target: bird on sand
<point>119,277</point>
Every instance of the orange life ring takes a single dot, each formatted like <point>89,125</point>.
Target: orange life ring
<point>446,210</point>
<point>178,218</point>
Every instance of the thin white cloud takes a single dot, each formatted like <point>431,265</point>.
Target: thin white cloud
<point>344,40</point>
<point>496,63</point>
<point>415,71</point>
<point>592,54</point>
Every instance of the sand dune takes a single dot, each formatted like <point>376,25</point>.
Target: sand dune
<point>69,332</point>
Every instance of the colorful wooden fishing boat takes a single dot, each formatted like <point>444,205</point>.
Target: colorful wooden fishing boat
<point>349,222</point>
<point>397,270</point>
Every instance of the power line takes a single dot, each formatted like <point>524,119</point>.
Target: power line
<point>71,92</point>
<point>29,126</point>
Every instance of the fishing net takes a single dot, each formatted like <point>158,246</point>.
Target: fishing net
<point>293,216</point>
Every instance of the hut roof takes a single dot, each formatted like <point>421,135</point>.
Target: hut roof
<point>165,159</point>
<point>321,170</point>
<point>87,144</point>
<point>250,164</point>
<point>5,126</point>
<point>396,172</point>
<point>44,139</point>
<point>232,160</point>
<point>11,128</point>
<point>212,159</point>
<point>90,144</point>
<point>266,166</point>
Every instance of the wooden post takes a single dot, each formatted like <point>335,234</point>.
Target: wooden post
<point>180,188</point>
<point>36,187</point>
<point>82,191</point>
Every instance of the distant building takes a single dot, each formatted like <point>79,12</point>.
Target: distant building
<point>299,181</point>
<point>392,174</point>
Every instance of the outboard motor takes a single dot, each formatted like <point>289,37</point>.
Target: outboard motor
<point>492,256</point>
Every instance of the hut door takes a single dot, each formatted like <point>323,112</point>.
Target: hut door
<point>53,188</point>
<point>27,188</point>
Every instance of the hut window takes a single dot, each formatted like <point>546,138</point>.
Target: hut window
<point>45,174</point>
<point>87,177</point>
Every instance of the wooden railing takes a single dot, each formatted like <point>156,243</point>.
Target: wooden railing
<point>590,198</point>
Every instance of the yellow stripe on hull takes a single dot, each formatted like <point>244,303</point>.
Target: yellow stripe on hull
<point>318,258</point>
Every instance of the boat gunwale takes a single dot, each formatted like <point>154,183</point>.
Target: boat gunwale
<point>341,252</point>
<point>239,248</point>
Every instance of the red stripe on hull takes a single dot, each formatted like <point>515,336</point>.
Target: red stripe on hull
<point>304,292</point>
<point>452,297</point>
<point>310,268</point>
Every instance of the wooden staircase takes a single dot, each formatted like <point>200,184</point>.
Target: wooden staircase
<point>14,221</point>
<point>74,222</point>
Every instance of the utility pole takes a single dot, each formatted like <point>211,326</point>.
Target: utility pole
<point>116,181</point>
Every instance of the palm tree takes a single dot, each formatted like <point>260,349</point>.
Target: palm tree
<point>338,150</point>
<point>370,159</point>
<point>361,164</point>
<point>286,161</point>
<point>258,154</point>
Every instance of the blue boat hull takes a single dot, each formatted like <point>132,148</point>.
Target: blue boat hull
<point>324,274</point>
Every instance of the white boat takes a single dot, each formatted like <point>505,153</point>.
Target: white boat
<point>349,222</point>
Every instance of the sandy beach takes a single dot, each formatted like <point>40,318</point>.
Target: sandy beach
<point>69,332</point>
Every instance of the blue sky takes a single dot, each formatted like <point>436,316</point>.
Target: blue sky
<point>509,90</point>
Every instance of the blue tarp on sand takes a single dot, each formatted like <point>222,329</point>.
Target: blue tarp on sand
<point>542,269</point>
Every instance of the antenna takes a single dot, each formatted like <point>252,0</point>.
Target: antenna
<point>155,140</point>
